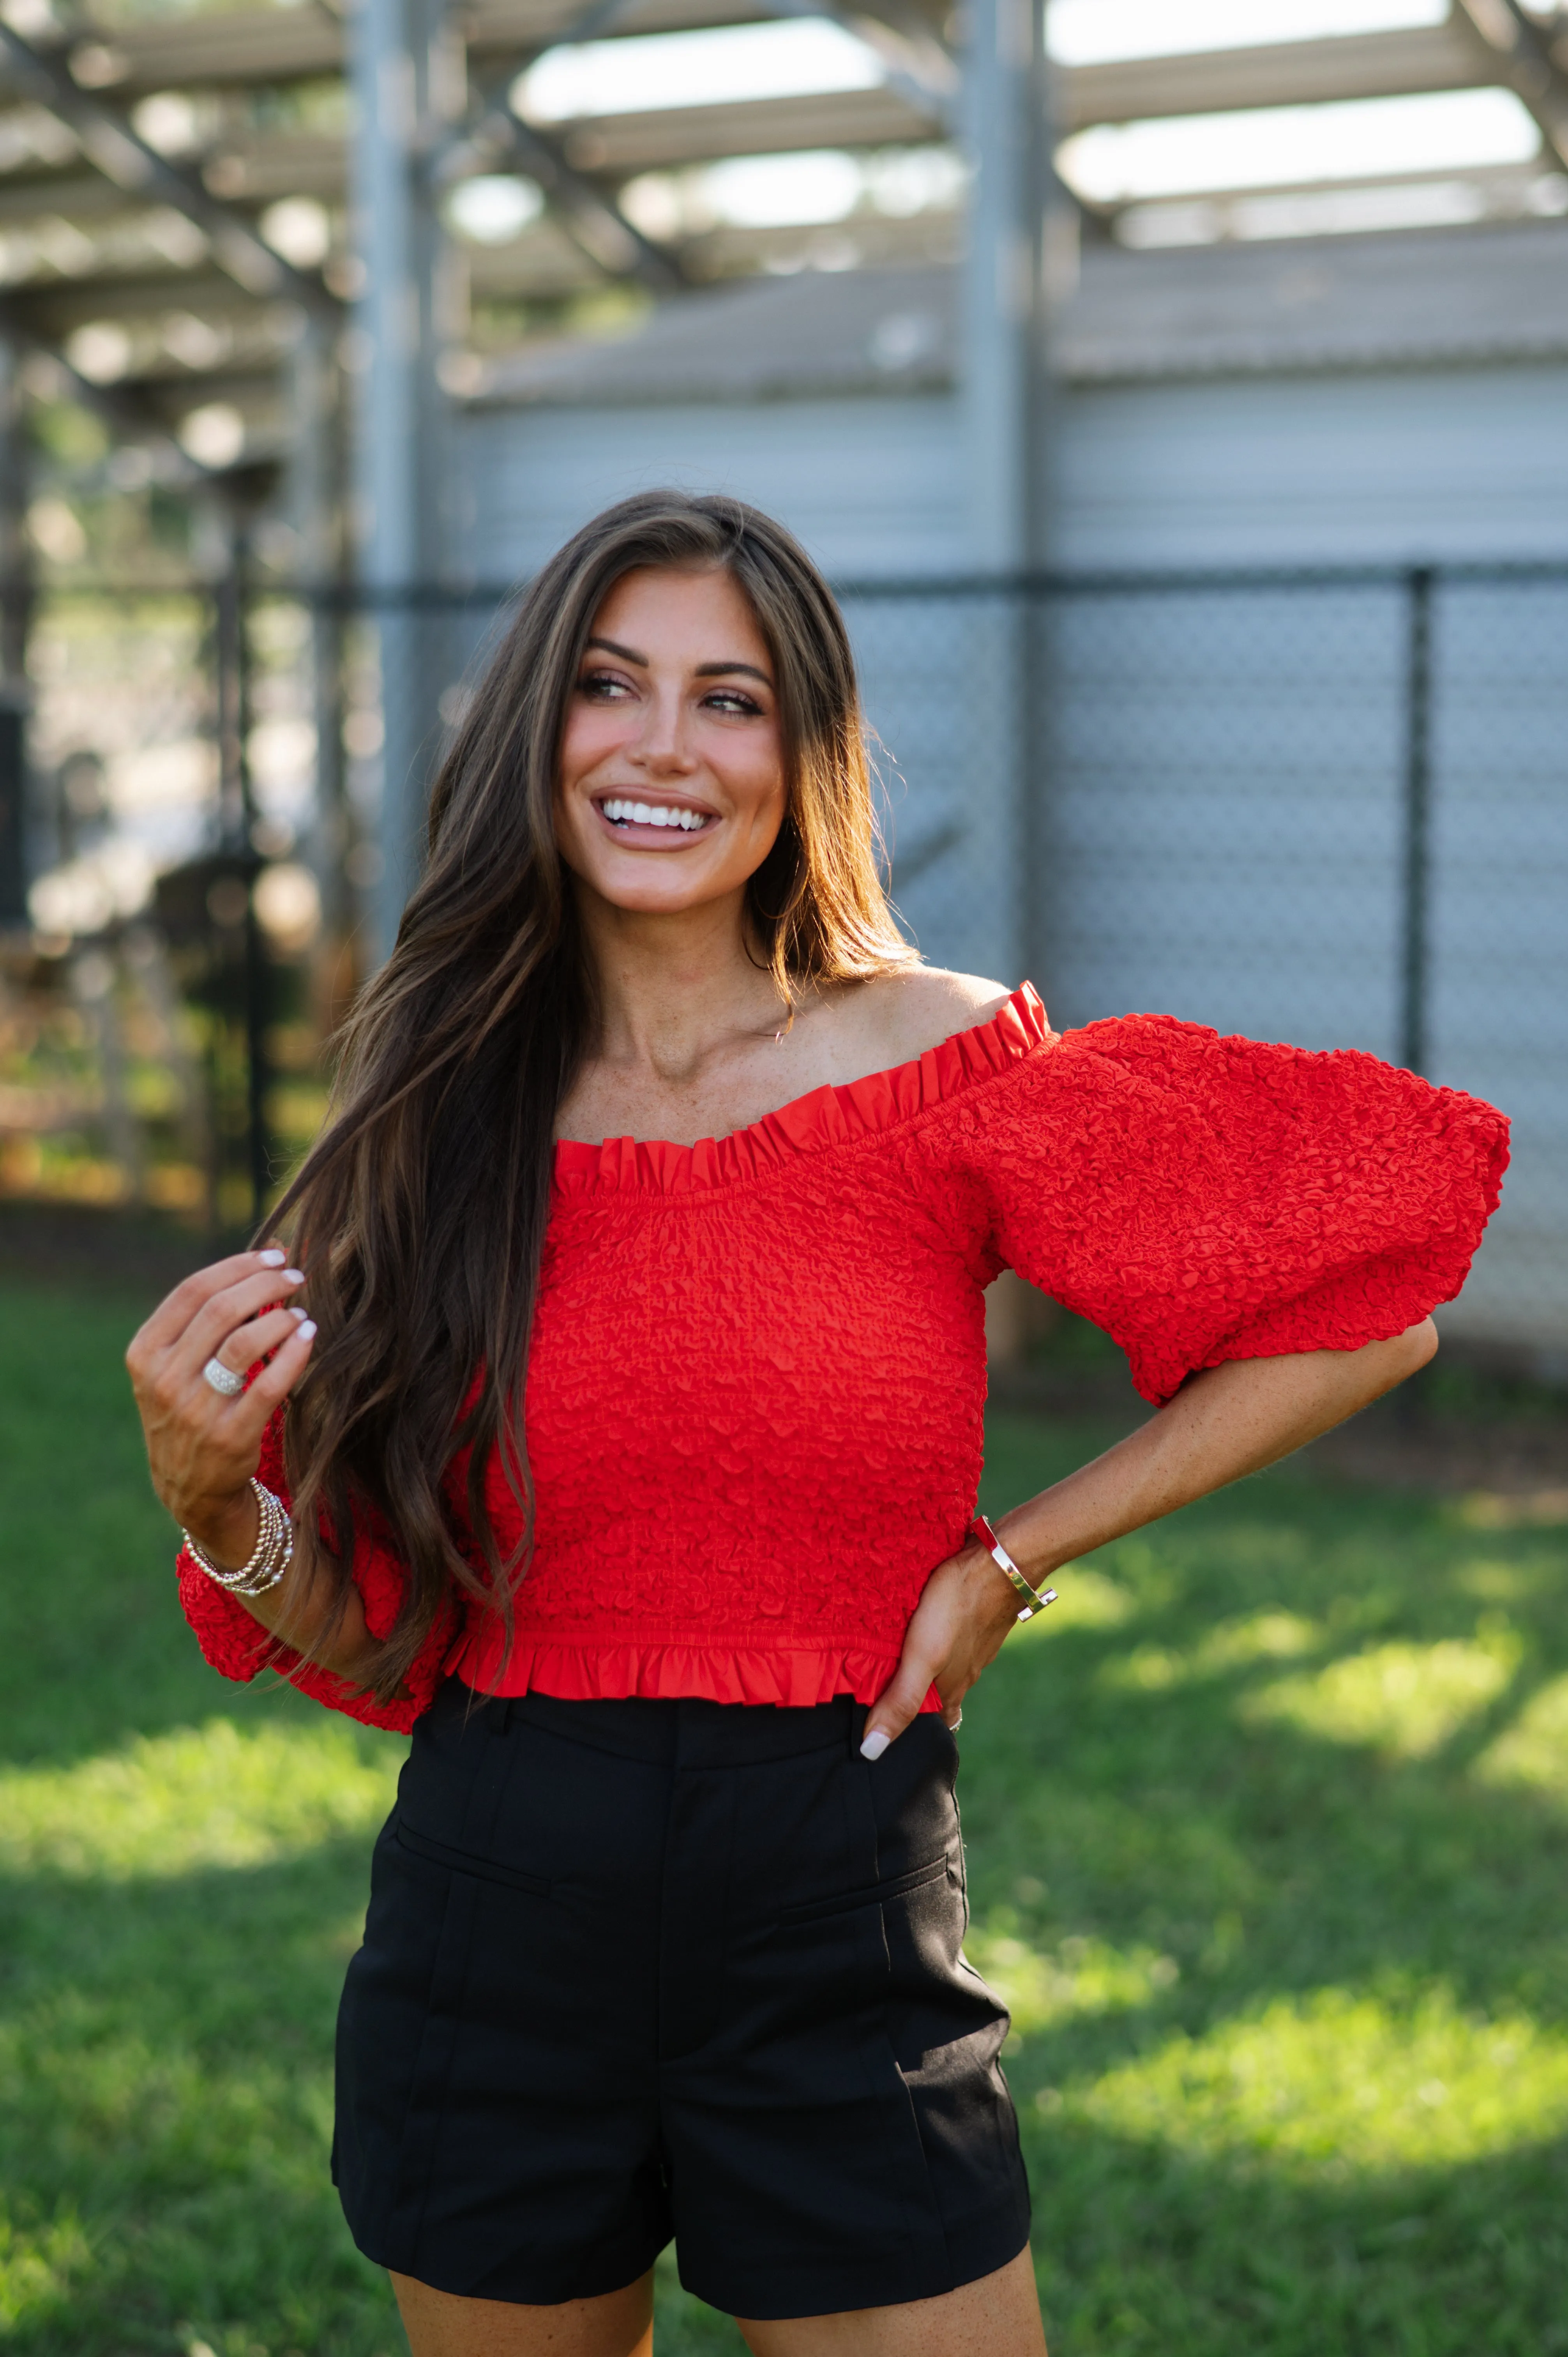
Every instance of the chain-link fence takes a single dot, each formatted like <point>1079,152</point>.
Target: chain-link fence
<point>1330,807</point>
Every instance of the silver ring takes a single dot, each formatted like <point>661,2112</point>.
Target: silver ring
<point>223,1379</point>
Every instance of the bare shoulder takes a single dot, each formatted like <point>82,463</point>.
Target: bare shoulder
<point>897,1018</point>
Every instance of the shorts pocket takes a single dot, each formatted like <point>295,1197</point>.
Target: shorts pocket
<point>462,1861</point>
<point>873,1894</point>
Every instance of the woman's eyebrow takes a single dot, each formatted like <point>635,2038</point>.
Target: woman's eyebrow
<point>718,671</point>
<point>704,671</point>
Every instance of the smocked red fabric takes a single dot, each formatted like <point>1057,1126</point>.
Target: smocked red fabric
<point>754,1393</point>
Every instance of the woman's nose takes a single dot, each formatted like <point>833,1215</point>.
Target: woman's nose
<point>662,743</point>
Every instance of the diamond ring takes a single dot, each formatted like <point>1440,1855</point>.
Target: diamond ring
<point>223,1379</point>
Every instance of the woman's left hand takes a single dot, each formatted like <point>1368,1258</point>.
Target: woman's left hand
<point>957,1630</point>
<point>1225,1422</point>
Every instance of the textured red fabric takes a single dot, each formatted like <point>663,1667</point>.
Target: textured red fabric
<point>757,1373</point>
<point>240,1647</point>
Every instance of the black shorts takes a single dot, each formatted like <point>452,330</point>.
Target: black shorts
<point>641,1969</point>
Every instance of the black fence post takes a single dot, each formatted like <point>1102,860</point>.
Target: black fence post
<point>1415,945</point>
<point>13,809</point>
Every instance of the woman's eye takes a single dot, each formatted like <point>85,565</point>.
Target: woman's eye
<point>732,699</point>
<point>601,686</point>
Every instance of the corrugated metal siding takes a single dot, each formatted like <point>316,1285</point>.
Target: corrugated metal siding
<point>869,486</point>
<point>1301,471</point>
<point>1334,469</point>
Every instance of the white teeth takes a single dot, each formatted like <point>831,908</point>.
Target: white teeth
<point>621,813</point>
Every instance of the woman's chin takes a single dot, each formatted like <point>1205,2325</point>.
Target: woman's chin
<point>657,887</point>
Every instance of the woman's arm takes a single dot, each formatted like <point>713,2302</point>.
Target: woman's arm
<point>202,1447</point>
<point>1222,1424</point>
<point>300,1609</point>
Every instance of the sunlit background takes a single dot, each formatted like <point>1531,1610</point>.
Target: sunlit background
<point>1176,390</point>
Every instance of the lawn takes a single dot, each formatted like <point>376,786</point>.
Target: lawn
<point>1267,1825</point>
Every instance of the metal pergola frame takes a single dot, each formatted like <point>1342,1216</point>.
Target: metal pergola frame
<point>363,335</point>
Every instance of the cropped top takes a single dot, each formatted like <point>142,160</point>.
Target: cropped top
<point>758,1369</point>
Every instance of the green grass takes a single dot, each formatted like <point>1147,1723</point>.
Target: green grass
<point>1267,1826</point>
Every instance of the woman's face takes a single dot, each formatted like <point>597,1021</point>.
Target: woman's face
<point>671,781</point>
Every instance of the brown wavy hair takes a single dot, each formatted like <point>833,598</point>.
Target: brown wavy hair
<point>419,1215</point>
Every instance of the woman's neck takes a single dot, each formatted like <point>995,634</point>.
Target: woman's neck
<point>674,989</point>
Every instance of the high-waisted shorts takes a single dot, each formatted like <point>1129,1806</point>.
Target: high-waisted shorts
<point>641,1969</point>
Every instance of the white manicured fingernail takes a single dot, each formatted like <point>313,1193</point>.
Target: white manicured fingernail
<point>876,1744</point>
<point>307,1329</point>
<point>295,1275</point>
<point>273,1258</point>
<point>297,1312</point>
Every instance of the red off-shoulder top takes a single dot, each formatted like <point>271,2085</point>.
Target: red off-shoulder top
<point>754,1391</point>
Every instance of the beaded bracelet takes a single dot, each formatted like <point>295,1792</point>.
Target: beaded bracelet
<point>269,1558</point>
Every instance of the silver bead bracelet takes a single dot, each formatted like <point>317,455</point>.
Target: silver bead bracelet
<point>269,1557</point>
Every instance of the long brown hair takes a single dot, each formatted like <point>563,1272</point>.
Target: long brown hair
<point>420,1214</point>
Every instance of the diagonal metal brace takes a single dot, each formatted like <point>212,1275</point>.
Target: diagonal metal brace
<point>596,222</point>
<point>914,63</point>
<point>1523,58</point>
<point>109,142</point>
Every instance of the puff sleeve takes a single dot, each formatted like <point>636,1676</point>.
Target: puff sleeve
<point>236,1644</point>
<point>1205,1199</point>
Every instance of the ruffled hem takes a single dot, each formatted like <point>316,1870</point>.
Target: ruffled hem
<point>828,1116</point>
<point>593,1673</point>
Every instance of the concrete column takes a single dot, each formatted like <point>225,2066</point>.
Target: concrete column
<point>401,63</point>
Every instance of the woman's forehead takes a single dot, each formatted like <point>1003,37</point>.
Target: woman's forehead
<point>669,603</point>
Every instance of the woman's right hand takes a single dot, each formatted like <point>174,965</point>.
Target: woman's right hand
<point>204,1448</point>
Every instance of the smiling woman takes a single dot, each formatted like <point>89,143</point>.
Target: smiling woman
<point>662,751</point>
<point>631,1457</point>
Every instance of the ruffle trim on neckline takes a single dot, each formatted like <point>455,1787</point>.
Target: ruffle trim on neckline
<point>594,1673</point>
<point>827,1116</point>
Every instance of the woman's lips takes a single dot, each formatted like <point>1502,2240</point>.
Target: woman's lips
<point>661,825</point>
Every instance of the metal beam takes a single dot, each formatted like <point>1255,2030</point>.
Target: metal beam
<point>667,138</point>
<point>1007,399</point>
<point>917,65</point>
<point>595,223</point>
<point>593,220</point>
<point>400,442</point>
<point>109,142</point>
<point>915,62</point>
<point>1283,73</point>
<point>1522,54</point>
<point>1007,383</point>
